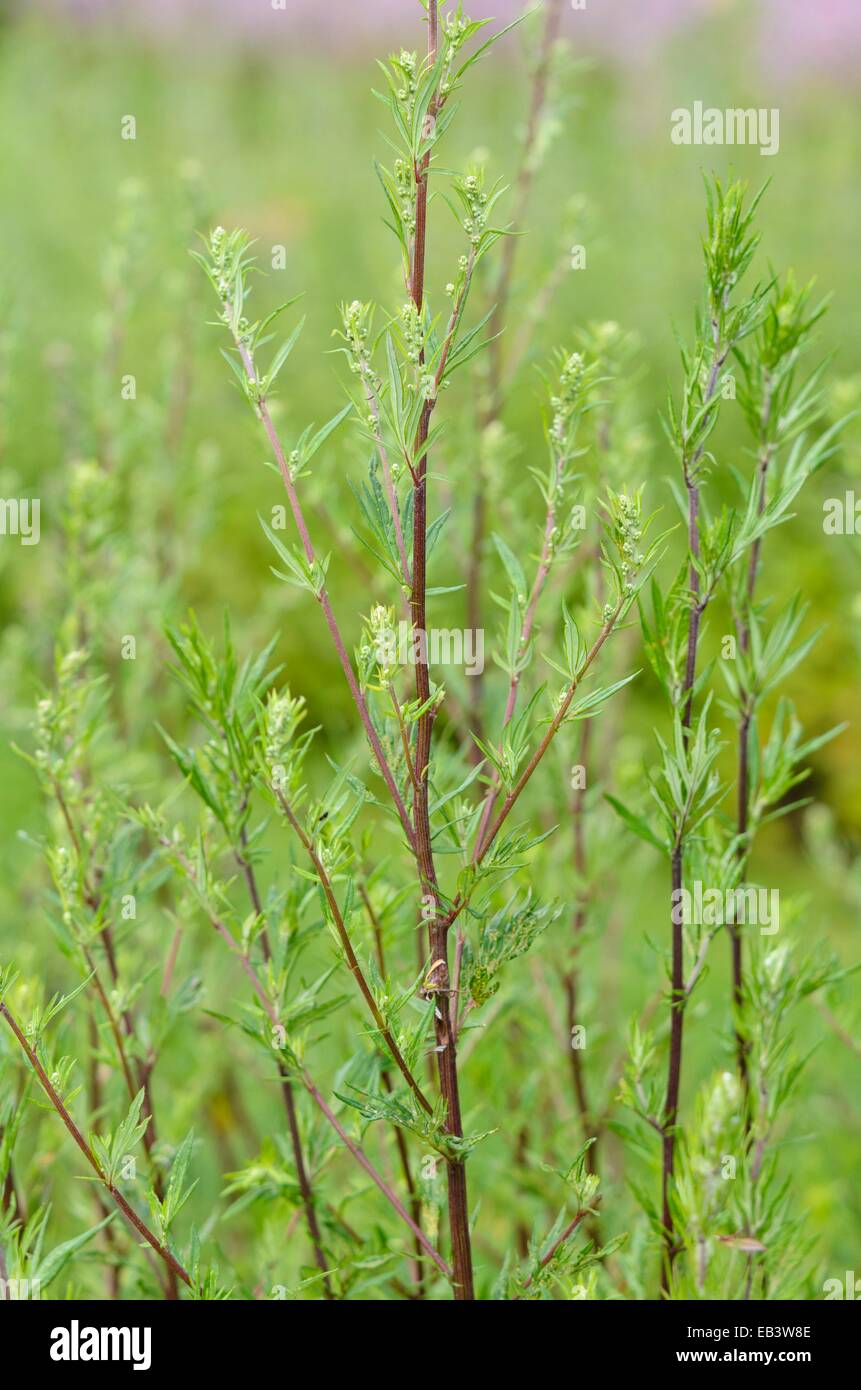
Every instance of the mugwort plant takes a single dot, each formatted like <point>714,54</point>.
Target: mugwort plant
<point>386,936</point>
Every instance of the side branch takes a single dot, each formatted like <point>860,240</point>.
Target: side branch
<point>352,961</point>
<point>323,596</point>
<point>555,724</point>
<point>128,1211</point>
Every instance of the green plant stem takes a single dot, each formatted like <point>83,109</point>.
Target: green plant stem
<point>128,1212</point>
<point>272,1014</point>
<point>305,1189</point>
<point>322,594</point>
<point>352,961</point>
<point>571,975</point>
<point>102,1207</point>
<point>388,480</point>
<point>677,981</point>
<point>438,984</point>
<point>693,490</point>
<point>142,1080</point>
<point>500,297</point>
<point>363,1160</point>
<point>558,719</point>
<point>561,1240</point>
<point>741,1047</point>
<point>542,573</point>
<point>400,1138</point>
<point>149,1136</point>
<point>462,899</point>
<point>304,1181</point>
<point>745,717</point>
<point>674,1078</point>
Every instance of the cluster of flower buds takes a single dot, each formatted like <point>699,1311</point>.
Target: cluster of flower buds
<point>43,730</point>
<point>225,252</point>
<point>630,534</point>
<point>64,873</point>
<point>406,186</point>
<point>720,1108</point>
<point>55,716</point>
<point>626,523</point>
<point>378,657</point>
<point>568,398</point>
<point>282,717</point>
<point>456,28</point>
<point>482,985</point>
<point>775,967</point>
<point>791,319</point>
<point>92,494</point>
<point>475,199</point>
<point>218,253</point>
<point>411,327</point>
<point>356,319</point>
<point>406,66</point>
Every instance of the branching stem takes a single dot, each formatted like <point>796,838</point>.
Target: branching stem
<point>131,1216</point>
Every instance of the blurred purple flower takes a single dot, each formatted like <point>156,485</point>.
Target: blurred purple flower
<point>796,35</point>
<point>622,26</point>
